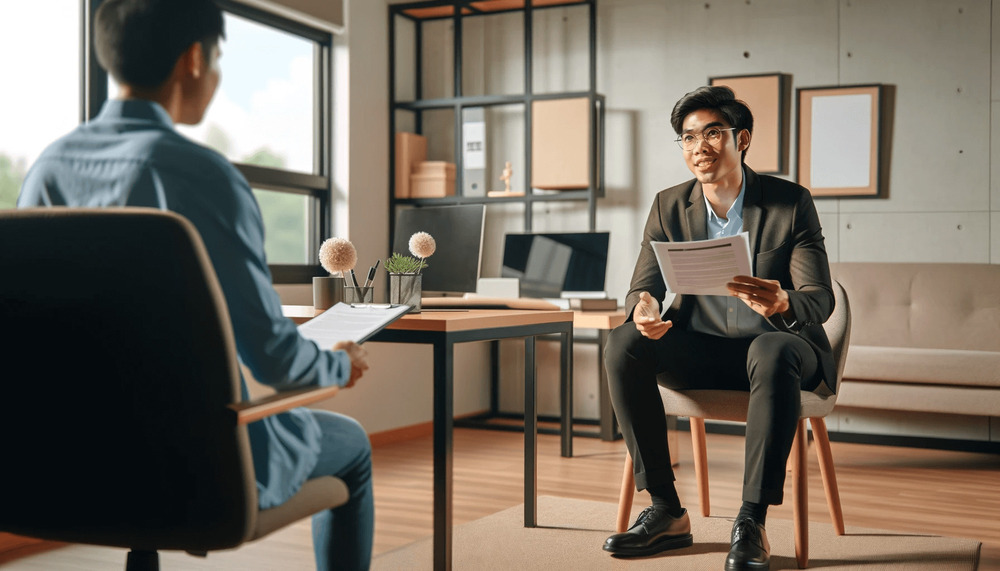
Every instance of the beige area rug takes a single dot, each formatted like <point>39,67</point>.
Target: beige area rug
<point>571,532</point>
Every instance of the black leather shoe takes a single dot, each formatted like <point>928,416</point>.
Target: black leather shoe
<point>750,549</point>
<point>653,531</point>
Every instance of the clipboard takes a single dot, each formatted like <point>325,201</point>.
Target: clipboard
<point>350,322</point>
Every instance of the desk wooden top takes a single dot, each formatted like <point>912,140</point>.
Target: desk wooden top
<point>598,319</point>
<point>452,320</point>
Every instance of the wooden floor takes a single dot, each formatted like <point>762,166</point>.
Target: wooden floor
<point>884,487</point>
<point>905,489</point>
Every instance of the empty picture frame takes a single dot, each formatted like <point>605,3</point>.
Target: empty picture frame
<point>839,140</point>
<point>769,98</point>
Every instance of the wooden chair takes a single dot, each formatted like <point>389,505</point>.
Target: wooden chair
<point>121,412</point>
<point>699,405</point>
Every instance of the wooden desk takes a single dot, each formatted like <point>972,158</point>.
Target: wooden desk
<point>442,330</point>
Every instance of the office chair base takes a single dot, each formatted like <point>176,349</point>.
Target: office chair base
<point>139,560</point>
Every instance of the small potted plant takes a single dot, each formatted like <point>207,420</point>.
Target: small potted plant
<point>336,255</point>
<point>405,279</point>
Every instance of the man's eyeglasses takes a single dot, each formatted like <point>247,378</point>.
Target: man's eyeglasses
<point>713,135</point>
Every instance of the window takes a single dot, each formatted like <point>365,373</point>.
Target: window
<point>41,99</point>
<point>270,116</point>
<point>267,117</point>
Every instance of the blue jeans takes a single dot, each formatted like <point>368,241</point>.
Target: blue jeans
<point>342,537</point>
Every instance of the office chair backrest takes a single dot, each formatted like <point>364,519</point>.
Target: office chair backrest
<point>838,328</point>
<point>118,365</point>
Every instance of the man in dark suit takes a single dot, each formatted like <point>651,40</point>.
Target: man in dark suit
<point>765,338</point>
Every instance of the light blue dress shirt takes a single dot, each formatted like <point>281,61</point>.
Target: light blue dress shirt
<point>726,316</point>
<point>130,155</point>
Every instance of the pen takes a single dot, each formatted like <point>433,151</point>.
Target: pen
<point>371,274</point>
<point>354,278</point>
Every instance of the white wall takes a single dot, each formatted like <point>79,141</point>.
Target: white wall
<point>943,203</point>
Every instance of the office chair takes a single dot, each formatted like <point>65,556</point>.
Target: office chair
<point>121,412</point>
<point>732,405</point>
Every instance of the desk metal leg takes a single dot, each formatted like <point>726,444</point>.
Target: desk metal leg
<point>606,410</point>
<point>443,452</point>
<point>566,382</point>
<point>530,435</point>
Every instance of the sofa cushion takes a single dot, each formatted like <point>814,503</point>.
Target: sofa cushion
<point>925,366</point>
<point>923,305</point>
<point>923,398</point>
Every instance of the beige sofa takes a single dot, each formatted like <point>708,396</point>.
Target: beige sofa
<point>925,337</point>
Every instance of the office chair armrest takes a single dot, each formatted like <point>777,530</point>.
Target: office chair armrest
<point>253,410</point>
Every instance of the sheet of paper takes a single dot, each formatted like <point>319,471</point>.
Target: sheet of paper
<point>703,267</point>
<point>344,322</point>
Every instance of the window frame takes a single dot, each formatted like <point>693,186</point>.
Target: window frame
<point>94,92</point>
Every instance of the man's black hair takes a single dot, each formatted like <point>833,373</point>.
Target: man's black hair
<point>139,41</point>
<point>716,98</point>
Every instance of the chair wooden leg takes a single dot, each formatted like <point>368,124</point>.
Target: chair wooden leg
<point>700,462</point>
<point>828,472</point>
<point>626,494</point>
<point>800,496</point>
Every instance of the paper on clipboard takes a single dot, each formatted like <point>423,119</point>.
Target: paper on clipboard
<point>345,322</point>
<point>703,267</point>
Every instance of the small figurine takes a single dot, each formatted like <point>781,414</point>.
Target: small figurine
<point>505,177</point>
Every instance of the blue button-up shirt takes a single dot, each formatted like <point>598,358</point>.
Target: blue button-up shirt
<point>130,155</point>
<point>726,316</point>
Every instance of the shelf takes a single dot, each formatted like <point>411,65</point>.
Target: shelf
<point>489,100</point>
<point>420,10</point>
<point>471,71</point>
<point>562,196</point>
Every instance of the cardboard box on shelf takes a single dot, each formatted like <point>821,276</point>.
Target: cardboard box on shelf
<point>432,179</point>
<point>411,149</point>
<point>560,143</point>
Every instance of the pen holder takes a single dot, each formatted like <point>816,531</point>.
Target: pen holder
<point>327,291</point>
<point>359,294</point>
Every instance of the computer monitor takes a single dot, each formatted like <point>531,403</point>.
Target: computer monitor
<point>549,264</point>
<point>453,269</point>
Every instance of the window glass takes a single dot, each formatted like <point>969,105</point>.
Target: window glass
<point>286,220</point>
<point>40,101</point>
<point>262,113</point>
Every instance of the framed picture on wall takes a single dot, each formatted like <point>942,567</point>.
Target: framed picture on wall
<point>769,98</point>
<point>840,132</point>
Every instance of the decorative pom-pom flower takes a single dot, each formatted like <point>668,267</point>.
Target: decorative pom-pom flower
<point>422,245</point>
<point>337,255</point>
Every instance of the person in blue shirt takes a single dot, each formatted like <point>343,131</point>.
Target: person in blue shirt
<point>766,337</point>
<point>165,56</point>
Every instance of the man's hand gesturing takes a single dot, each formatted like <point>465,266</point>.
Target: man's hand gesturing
<point>646,316</point>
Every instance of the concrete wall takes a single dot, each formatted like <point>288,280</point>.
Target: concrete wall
<point>942,205</point>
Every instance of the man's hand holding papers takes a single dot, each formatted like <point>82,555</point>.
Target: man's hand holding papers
<point>343,327</point>
<point>713,267</point>
<point>766,297</point>
<point>359,360</point>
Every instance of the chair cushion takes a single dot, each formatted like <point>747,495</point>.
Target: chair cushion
<point>316,495</point>
<point>732,405</point>
<point>924,366</point>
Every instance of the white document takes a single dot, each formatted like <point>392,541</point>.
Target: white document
<point>703,267</point>
<point>344,322</point>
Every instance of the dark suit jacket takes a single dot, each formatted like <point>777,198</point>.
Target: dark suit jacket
<point>786,244</point>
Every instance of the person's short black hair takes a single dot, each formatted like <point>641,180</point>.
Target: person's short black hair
<point>139,41</point>
<point>716,98</point>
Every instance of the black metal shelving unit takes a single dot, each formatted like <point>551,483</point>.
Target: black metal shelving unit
<point>457,11</point>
